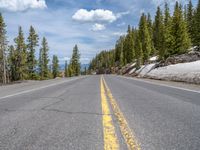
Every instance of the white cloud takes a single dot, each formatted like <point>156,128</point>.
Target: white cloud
<point>98,27</point>
<point>121,14</point>
<point>119,33</point>
<point>21,5</point>
<point>98,15</point>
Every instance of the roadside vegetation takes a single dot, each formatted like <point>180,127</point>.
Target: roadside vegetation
<point>19,61</point>
<point>166,35</point>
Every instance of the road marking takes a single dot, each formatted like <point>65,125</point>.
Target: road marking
<point>160,84</point>
<point>128,135</point>
<point>110,137</point>
<point>36,89</point>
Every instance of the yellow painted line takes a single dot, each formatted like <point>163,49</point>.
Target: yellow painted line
<point>128,135</point>
<point>110,137</point>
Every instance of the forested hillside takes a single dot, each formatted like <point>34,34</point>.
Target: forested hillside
<point>166,35</point>
<point>19,61</point>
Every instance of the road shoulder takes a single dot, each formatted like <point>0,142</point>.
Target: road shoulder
<point>172,84</point>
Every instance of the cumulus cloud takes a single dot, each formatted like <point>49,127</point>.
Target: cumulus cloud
<point>119,15</point>
<point>21,5</point>
<point>98,15</point>
<point>119,33</point>
<point>98,27</point>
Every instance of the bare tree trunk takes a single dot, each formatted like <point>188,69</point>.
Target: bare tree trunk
<point>4,69</point>
<point>4,73</point>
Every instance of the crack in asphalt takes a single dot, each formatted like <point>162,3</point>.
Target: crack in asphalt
<point>56,110</point>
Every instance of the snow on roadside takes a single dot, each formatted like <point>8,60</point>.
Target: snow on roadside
<point>146,69</point>
<point>139,70</point>
<point>133,68</point>
<point>133,64</point>
<point>154,58</point>
<point>132,71</point>
<point>187,72</point>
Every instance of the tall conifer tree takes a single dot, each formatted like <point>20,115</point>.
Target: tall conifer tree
<point>150,28</point>
<point>44,59</point>
<point>181,39</point>
<point>119,51</point>
<point>190,20</point>
<point>21,56</point>
<point>3,47</point>
<point>128,46</point>
<point>12,63</point>
<point>66,69</point>
<point>145,38</point>
<point>31,47</point>
<point>159,33</point>
<point>196,35</point>
<point>138,51</point>
<point>55,66</point>
<point>168,38</point>
<point>75,65</point>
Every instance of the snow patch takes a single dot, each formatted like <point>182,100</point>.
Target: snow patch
<point>133,64</point>
<point>188,72</point>
<point>132,71</point>
<point>145,69</point>
<point>154,58</point>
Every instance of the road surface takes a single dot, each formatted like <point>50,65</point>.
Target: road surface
<point>96,113</point>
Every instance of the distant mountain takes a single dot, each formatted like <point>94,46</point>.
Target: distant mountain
<point>62,66</point>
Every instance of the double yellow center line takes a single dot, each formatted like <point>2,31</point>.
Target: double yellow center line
<point>110,137</point>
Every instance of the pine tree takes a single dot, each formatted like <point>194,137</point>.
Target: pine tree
<point>138,51</point>
<point>181,40</point>
<point>167,17</point>
<point>159,34</point>
<point>128,47</point>
<point>40,64</point>
<point>196,35</point>
<point>85,71</point>
<point>103,62</point>
<point>3,47</point>
<point>121,56</point>
<point>185,13</point>
<point>75,66</point>
<point>55,66</point>
<point>168,38</point>
<point>44,60</point>
<point>150,28</point>
<point>12,63</point>
<point>66,69</point>
<point>21,56</point>
<point>119,51</point>
<point>31,47</point>
<point>144,37</point>
<point>190,20</point>
<point>70,71</point>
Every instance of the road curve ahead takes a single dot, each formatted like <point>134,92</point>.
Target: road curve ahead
<point>98,113</point>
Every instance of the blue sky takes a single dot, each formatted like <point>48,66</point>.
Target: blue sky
<point>94,25</point>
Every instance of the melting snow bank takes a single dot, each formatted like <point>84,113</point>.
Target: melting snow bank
<point>184,72</point>
<point>183,68</point>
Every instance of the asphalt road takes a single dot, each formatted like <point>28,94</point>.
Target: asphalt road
<point>95,113</point>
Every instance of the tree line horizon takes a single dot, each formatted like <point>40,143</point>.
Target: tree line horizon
<point>19,61</point>
<point>167,35</point>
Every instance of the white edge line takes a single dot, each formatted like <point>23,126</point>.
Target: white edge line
<point>36,89</point>
<point>174,87</point>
